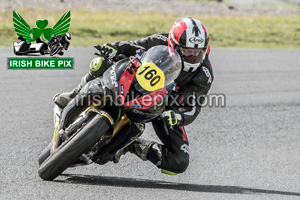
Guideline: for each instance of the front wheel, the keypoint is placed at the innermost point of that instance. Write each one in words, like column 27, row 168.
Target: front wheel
column 45, row 154
column 55, row 49
column 71, row 150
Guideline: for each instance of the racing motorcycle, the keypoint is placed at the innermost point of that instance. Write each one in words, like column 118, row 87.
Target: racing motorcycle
column 110, row 112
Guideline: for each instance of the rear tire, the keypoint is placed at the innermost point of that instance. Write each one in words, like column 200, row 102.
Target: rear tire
column 70, row 151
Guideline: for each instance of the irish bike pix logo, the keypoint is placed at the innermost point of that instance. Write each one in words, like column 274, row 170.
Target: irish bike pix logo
column 41, row 47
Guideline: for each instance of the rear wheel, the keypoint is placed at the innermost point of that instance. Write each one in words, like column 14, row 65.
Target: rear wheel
column 71, row 150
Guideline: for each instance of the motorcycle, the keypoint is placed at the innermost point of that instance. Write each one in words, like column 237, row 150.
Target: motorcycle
column 110, row 113
column 58, row 44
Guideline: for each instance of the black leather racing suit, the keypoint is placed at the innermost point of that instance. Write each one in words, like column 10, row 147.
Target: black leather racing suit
column 173, row 155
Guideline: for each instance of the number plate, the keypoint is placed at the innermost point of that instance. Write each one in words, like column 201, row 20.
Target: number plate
column 150, row 77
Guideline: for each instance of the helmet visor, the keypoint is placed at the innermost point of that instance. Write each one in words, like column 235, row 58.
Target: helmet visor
column 192, row 55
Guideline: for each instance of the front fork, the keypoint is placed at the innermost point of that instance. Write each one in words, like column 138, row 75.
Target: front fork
column 60, row 134
column 56, row 119
column 91, row 88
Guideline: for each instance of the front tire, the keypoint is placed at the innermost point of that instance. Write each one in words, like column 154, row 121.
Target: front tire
column 45, row 154
column 71, row 150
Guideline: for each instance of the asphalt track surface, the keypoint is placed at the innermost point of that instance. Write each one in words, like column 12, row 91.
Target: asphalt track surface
column 248, row 149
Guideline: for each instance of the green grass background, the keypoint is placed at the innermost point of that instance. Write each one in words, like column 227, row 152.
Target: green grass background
column 95, row 27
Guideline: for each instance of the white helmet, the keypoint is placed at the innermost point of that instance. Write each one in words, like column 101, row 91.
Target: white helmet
column 190, row 38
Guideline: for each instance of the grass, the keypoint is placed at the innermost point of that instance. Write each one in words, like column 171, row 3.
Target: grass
column 93, row 27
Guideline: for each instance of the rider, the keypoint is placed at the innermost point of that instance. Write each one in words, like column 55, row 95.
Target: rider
column 62, row 41
column 190, row 38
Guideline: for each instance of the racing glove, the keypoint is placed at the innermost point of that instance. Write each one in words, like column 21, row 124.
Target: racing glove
column 171, row 118
column 106, row 51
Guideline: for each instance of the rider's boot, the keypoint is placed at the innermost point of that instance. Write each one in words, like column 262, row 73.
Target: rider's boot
column 97, row 67
column 63, row 99
column 140, row 147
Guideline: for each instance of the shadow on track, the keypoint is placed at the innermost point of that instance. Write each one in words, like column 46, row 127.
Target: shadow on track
column 145, row 183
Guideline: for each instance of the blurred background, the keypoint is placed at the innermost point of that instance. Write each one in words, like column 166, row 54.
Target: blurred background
column 231, row 23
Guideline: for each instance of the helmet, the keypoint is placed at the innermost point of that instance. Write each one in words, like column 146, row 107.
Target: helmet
column 68, row 36
column 190, row 38
column 160, row 66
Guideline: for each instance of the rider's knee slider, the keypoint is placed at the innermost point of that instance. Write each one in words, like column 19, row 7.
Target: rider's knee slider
column 98, row 66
